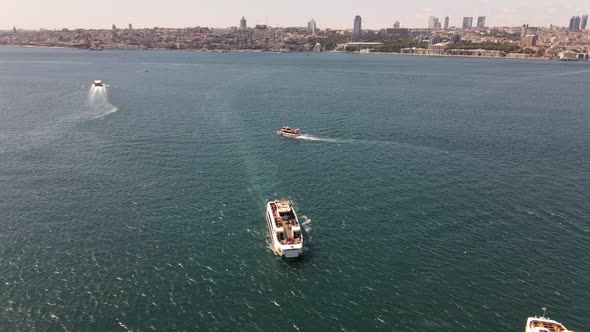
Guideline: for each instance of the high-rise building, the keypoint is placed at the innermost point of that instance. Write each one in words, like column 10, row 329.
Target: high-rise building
column 530, row 40
column 446, row 22
column 577, row 23
column 584, row 22
column 14, row 29
column 433, row 22
column 481, row 22
column 114, row 27
column 130, row 26
column 357, row 30
column 396, row 25
column 243, row 23
column 311, row 27
column 524, row 30
column 467, row 22
column 571, row 25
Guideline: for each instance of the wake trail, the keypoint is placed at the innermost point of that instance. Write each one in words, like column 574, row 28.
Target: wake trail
column 311, row 138
column 98, row 99
column 321, row 139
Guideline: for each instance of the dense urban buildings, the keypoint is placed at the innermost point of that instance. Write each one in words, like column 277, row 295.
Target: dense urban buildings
column 571, row 42
column 357, row 30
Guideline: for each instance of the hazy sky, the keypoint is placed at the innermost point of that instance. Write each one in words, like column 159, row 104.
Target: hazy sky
column 376, row 14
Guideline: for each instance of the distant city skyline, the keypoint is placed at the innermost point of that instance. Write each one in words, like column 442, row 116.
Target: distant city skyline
column 376, row 14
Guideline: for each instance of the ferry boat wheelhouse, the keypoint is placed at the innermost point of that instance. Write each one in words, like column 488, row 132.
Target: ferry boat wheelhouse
column 287, row 131
column 544, row 324
column 284, row 228
column 98, row 83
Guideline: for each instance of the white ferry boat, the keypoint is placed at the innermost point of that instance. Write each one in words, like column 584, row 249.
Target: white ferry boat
column 286, row 131
column 98, row 83
column 544, row 324
column 284, row 228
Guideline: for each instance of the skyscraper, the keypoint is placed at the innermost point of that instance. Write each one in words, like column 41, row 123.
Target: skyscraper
column 432, row 22
column 584, row 22
column 467, row 22
column 357, row 31
column 571, row 26
column 481, row 22
column 311, row 27
column 114, row 27
column 446, row 22
column 130, row 26
column 577, row 23
column 243, row 23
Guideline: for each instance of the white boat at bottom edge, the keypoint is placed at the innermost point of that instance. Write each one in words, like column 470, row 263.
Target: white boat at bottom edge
column 544, row 324
column 284, row 228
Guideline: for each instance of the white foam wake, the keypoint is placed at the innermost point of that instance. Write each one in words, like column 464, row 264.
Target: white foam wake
column 320, row 139
column 306, row 223
column 98, row 99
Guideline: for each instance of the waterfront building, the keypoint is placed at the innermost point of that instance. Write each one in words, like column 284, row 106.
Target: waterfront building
column 243, row 25
column 481, row 22
column 584, row 22
column 311, row 27
column 357, row 30
column 467, row 22
column 530, row 40
column 446, row 22
column 317, row 48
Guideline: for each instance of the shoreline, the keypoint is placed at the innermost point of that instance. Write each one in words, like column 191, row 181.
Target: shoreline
column 271, row 51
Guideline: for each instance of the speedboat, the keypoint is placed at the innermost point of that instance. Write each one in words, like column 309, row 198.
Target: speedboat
column 544, row 324
column 286, row 131
column 98, row 83
column 284, row 228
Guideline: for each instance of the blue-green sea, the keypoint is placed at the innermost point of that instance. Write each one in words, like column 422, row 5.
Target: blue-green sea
column 436, row 194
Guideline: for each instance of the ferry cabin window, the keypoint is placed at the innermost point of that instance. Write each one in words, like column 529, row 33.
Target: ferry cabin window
column 296, row 235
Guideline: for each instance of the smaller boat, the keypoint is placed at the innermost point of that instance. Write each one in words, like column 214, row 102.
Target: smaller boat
column 286, row 131
column 98, row 83
column 544, row 324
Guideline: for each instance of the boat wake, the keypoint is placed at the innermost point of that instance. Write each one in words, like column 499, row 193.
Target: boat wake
column 320, row 139
column 98, row 99
column 306, row 223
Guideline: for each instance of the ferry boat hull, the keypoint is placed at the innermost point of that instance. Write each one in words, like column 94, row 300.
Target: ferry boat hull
column 544, row 324
column 289, row 132
column 284, row 229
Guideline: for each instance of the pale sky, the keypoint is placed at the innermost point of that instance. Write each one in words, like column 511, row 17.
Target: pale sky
column 376, row 14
